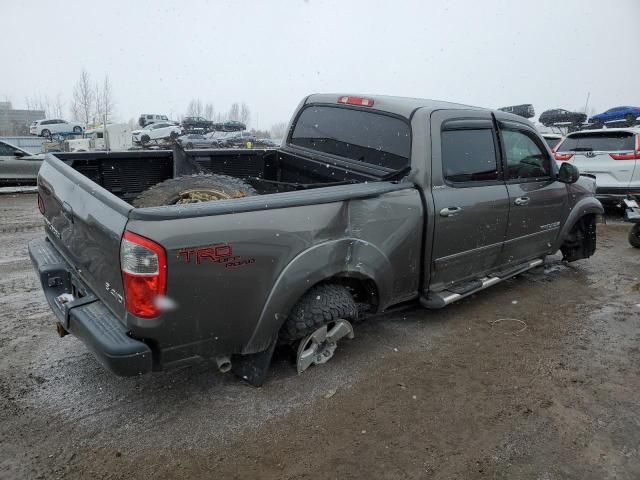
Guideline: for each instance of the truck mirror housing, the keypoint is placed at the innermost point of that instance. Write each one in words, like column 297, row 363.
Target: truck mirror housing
column 568, row 173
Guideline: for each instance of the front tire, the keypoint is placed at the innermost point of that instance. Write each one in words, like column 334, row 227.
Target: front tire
column 45, row 133
column 634, row 236
column 77, row 129
column 189, row 146
column 323, row 304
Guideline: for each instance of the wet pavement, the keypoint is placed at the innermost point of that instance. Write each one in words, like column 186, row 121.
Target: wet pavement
column 535, row 378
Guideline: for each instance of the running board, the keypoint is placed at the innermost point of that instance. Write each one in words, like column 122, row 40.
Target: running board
column 445, row 297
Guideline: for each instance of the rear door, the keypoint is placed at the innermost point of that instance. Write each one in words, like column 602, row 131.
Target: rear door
column 538, row 203
column 608, row 155
column 470, row 197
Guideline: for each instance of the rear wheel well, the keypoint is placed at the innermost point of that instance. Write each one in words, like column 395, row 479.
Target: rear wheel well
column 363, row 290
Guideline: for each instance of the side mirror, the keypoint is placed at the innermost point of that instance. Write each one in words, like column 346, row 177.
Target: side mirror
column 19, row 154
column 568, row 173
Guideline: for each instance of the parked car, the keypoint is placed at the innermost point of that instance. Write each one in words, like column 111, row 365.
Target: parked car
column 150, row 118
column 17, row 166
column 552, row 117
column 242, row 139
column 370, row 203
column 526, row 110
column 197, row 123
column 552, row 139
column 196, row 140
column 627, row 114
column 47, row 127
column 611, row 155
column 155, row 132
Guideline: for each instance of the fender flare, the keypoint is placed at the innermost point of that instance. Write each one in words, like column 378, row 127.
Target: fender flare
column 585, row 206
column 348, row 256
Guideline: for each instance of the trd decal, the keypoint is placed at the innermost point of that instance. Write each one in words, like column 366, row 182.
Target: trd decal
column 222, row 253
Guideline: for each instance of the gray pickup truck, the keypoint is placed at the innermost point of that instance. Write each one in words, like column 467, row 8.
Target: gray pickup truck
column 370, row 203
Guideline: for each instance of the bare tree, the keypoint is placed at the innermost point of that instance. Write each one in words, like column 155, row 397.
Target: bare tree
column 105, row 103
column 245, row 113
column 208, row 111
column 195, row 108
column 234, row 112
column 278, row 129
column 83, row 101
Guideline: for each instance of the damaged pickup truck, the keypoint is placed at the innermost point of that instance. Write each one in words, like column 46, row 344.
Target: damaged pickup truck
column 156, row 258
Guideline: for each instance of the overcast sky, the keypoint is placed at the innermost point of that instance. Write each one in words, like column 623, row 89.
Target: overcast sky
column 270, row 54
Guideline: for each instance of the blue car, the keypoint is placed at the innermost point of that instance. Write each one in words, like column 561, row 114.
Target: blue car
column 630, row 114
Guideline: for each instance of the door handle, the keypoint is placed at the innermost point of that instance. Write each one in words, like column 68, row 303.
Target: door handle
column 521, row 201
column 450, row 211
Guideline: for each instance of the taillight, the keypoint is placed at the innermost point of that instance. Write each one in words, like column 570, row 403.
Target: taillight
column 144, row 274
column 563, row 157
column 625, row 156
column 40, row 204
column 361, row 102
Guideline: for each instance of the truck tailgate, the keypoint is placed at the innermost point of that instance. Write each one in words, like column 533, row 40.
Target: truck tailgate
column 85, row 223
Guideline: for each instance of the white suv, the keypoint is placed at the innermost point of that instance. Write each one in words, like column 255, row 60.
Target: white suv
column 44, row 128
column 612, row 155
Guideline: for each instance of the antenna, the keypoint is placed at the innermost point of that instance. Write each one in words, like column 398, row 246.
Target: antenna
column 586, row 105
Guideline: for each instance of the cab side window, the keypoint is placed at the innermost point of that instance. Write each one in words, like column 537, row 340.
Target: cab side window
column 469, row 156
column 525, row 159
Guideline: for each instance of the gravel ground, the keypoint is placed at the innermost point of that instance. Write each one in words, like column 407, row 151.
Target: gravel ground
column 536, row 378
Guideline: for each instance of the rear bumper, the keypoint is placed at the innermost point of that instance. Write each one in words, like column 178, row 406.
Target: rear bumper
column 85, row 316
column 614, row 194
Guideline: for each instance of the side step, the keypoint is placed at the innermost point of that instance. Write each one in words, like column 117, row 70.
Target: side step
column 445, row 297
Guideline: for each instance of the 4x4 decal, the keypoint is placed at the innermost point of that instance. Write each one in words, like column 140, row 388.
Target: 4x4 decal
column 222, row 253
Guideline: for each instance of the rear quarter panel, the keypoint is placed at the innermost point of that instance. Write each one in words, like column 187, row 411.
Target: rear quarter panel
column 234, row 277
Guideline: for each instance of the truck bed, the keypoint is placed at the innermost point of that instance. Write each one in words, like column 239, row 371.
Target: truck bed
column 127, row 174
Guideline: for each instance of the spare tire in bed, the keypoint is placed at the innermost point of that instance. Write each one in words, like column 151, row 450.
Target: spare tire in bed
column 194, row 189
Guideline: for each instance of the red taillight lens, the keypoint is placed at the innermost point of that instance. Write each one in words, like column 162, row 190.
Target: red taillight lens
column 144, row 274
column 40, row 204
column 361, row 102
column 563, row 157
column 625, row 156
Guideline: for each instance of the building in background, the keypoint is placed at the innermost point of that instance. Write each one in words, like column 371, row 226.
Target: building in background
column 16, row 122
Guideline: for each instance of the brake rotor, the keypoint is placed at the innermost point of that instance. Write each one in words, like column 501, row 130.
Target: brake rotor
column 319, row 347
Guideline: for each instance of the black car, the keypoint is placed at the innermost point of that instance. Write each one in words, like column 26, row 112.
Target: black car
column 526, row 110
column 558, row 115
column 197, row 123
column 237, row 140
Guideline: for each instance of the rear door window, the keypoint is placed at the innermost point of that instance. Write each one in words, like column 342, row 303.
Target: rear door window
column 598, row 142
column 469, row 156
column 365, row 136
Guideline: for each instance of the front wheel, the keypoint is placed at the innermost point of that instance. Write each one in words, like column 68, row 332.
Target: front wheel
column 77, row 129
column 45, row 133
column 189, row 146
column 634, row 236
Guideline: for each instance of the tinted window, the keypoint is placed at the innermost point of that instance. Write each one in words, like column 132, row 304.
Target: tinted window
column 469, row 156
column 6, row 150
column 552, row 142
column 600, row 142
column 525, row 159
column 369, row 137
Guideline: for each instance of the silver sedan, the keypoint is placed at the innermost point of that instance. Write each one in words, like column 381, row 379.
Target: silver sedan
column 17, row 166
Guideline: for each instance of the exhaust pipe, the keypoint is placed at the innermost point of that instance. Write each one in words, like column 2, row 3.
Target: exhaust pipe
column 224, row 363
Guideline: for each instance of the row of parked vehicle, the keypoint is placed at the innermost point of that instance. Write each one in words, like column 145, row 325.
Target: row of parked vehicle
column 614, row 117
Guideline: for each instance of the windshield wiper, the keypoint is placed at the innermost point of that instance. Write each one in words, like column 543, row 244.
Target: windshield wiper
column 581, row 149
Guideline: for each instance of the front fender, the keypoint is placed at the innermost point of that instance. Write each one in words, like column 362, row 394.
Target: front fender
column 351, row 256
column 584, row 206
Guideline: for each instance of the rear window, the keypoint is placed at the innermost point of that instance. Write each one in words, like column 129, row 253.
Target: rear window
column 552, row 142
column 368, row 137
column 598, row 142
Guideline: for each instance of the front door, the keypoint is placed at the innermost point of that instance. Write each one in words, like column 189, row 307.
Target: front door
column 469, row 195
column 538, row 202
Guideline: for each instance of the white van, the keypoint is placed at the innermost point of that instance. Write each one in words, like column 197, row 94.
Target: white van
column 149, row 118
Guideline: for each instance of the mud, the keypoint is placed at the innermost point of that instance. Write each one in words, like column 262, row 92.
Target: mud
column 536, row 378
